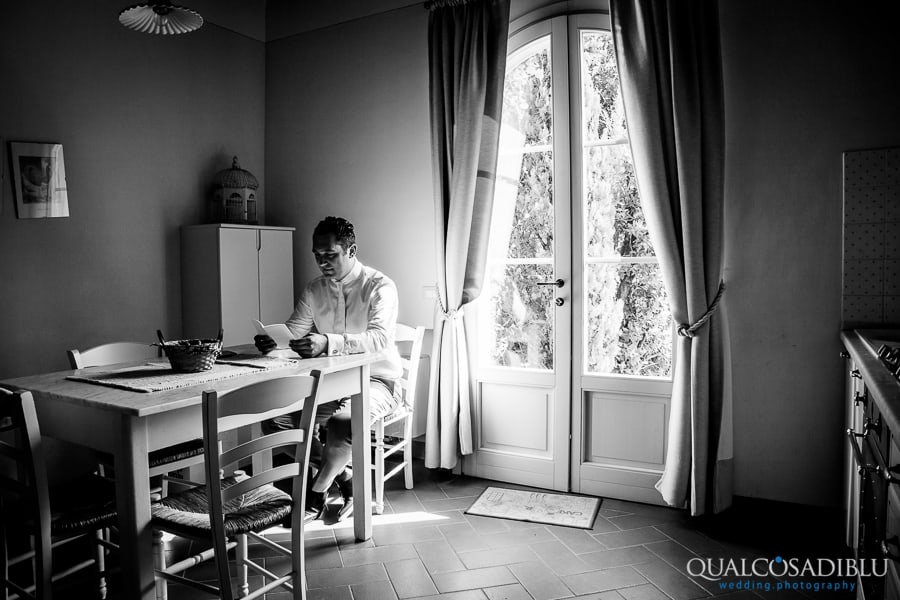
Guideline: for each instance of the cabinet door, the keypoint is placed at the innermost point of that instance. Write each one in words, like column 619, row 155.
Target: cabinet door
column 239, row 272
column 276, row 275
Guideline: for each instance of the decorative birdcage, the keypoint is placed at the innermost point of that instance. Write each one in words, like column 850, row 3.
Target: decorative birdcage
column 235, row 195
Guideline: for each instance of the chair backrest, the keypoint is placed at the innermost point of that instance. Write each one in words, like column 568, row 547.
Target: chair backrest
column 252, row 404
column 409, row 343
column 108, row 354
column 23, row 480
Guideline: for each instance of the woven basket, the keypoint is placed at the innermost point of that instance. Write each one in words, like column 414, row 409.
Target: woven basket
column 191, row 356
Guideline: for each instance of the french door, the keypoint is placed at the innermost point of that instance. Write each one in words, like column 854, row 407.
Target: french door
column 573, row 336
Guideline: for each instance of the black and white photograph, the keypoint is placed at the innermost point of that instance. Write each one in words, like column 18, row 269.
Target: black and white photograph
column 39, row 176
column 450, row 299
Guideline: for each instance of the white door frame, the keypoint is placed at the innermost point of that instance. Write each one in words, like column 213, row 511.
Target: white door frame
column 530, row 452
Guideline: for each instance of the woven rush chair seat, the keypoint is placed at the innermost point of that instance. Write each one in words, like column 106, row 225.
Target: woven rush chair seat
column 80, row 506
column 228, row 511
column 178, row 452
column 46, row 519
column 187, row 513
column 86, row 504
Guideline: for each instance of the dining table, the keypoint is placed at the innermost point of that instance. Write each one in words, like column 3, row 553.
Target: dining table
column 74, row 406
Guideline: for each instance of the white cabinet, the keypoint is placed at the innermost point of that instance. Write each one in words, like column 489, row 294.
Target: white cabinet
column 231, row 274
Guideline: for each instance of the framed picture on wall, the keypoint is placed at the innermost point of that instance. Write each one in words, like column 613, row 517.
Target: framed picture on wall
column 39, row 180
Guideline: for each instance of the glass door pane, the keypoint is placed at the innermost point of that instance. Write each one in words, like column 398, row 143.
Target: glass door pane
column 518, row 319
column 628, row 330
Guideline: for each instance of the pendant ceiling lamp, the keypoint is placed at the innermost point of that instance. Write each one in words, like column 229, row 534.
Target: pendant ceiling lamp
column 160, row 17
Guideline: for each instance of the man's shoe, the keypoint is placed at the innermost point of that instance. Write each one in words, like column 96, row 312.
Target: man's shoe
column 346, row 488
column 315, row 506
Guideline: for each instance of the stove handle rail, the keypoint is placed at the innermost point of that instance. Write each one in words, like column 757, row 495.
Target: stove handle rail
column 861, row 466
column 889, row 474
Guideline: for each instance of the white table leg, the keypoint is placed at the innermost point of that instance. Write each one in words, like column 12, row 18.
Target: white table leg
column 362, row 487
column 133, row 505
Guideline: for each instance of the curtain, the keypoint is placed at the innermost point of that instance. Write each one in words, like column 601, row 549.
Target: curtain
column 670, row 66
column 467, row 61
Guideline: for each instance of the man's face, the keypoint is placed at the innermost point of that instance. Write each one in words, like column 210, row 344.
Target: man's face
column 333, row 260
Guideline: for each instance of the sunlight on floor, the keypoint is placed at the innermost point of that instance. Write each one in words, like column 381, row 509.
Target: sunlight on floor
column 392, row 519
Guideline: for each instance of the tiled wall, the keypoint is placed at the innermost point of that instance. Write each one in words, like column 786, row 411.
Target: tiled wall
column 871, row 290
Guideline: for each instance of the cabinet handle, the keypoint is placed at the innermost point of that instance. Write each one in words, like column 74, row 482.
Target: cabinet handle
column 860, row 399
column 886, row 551
column 861, row 466
column 855, row 373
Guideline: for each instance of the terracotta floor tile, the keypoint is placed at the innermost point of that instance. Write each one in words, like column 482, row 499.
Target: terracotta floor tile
column 375, row 590
column 643, row 592
column 515, row 538
column 463, row 595
column 404, row 534
column 325, row 578
column 492, row 558
column 378, row 554
column 632, row 537
column 410, row 578
column 540, row 581
column 675, row 584
column 463, row 537
column 617, row 558
column 513, row 591
column 473, row 579
column 560, row 558
column 439, row 557
column 578, row 541
column 604, row 580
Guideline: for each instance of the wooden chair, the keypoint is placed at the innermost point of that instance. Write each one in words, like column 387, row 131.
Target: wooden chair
column 162, row 462
column 228, row 510
column 108, row 354
column 86, row 507
column 409, row 342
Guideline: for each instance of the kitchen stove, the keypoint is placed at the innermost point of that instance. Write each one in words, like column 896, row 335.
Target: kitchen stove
column 890, row 358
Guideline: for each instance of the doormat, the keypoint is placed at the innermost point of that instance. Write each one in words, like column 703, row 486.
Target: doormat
column 537, row 507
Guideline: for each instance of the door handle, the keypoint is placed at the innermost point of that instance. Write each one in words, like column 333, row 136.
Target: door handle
column 558, row 283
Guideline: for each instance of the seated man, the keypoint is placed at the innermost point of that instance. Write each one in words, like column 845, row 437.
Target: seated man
column 351, row 308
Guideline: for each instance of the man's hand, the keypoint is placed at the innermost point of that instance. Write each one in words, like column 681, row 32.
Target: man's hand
column 310, row 345
column 264, row 343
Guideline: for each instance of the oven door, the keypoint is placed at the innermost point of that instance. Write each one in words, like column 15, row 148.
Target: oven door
column 853, row 471
column 873, row 491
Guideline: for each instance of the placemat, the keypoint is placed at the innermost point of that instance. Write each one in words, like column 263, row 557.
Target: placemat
column 537, row 507
column 159, row 376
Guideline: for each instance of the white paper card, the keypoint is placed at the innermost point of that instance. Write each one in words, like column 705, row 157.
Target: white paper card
column 277, row 331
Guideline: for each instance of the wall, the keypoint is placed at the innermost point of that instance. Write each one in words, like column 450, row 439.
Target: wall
column 145, row 121
column 347, row 134
column 804, row 81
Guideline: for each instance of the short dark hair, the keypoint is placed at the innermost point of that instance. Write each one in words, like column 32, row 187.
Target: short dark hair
column 340, row 228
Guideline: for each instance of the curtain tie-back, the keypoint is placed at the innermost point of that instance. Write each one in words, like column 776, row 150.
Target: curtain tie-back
column 445, row 313
column 690, row 331
column 449, row 315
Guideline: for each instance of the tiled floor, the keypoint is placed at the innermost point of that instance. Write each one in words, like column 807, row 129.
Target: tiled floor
column 424, row 546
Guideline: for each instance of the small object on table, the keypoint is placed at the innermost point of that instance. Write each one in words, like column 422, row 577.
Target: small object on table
column 193, row 355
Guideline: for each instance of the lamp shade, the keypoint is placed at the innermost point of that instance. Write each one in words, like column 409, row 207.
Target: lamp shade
column 160, row 17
